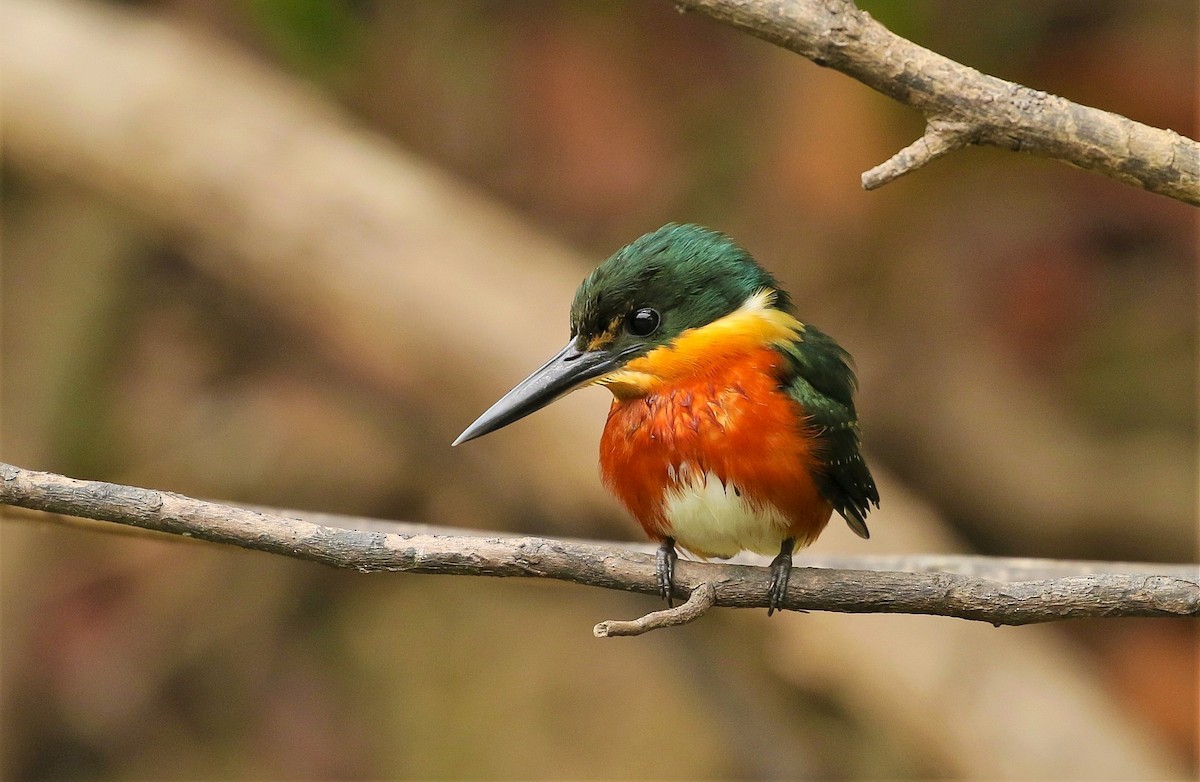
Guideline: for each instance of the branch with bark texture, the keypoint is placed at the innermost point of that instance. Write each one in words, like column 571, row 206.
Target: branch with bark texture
column 963, row 106
column 1147, row 590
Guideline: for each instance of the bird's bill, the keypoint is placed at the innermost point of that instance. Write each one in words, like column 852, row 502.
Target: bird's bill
column 569, row 370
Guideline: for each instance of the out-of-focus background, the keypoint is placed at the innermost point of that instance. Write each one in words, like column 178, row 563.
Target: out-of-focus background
column 283, row 251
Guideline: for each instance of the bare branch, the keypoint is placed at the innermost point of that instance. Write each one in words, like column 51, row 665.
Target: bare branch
column 1007, row 569
column 1147, row 592
column 835, row 33
column 703, row 597
column 940, row 138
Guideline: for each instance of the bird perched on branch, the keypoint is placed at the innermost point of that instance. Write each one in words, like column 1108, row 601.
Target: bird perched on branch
column 732, row 425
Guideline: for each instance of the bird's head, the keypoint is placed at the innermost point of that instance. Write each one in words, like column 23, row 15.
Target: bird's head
column 657, row 308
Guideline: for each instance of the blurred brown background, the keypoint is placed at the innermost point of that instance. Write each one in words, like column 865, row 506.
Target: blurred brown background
column 283, row 251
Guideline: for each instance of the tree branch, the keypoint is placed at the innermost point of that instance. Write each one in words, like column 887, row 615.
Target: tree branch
column 980, row 109
column 1006, row 569
column 1152, row 590
column 703, row 597
column 940, row 138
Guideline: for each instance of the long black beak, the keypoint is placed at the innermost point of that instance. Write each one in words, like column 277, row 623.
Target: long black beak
column 559, row 376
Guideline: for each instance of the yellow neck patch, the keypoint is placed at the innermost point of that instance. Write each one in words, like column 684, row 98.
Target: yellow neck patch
column 753, row 325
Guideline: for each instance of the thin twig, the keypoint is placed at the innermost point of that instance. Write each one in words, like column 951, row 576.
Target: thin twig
column 837, row 34
column 1148, row 592
column 940, row 139
column 703, row 597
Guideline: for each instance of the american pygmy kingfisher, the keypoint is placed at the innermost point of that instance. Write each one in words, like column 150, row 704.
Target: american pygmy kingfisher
column 732, row 425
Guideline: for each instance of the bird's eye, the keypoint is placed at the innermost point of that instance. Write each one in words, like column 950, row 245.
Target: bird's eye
column 643, row 322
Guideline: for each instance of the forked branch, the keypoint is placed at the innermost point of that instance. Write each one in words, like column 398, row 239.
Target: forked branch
column 1145, row 590
column 961, row 105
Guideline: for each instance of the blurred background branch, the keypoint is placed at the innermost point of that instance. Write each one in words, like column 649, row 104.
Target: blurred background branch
column 961, row 105
column 1146, row 592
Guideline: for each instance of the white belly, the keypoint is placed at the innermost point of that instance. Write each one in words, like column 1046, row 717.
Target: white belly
column 712, row 519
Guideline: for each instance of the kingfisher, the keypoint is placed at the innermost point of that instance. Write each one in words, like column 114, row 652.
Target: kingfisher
column 732, row 425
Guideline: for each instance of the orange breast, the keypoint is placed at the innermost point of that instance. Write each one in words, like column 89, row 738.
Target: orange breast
column 729, row 420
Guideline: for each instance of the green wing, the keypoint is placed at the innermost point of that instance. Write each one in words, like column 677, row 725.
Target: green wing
column 822, row 381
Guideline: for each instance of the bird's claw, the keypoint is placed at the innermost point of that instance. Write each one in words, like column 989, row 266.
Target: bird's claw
column 781, row 571
column 664, row 568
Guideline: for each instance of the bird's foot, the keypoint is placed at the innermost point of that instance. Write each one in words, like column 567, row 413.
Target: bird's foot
column 781, row 571
column 664, row 568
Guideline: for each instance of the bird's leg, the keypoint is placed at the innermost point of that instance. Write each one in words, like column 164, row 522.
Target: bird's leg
column 781, row 570
column 664, row 567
